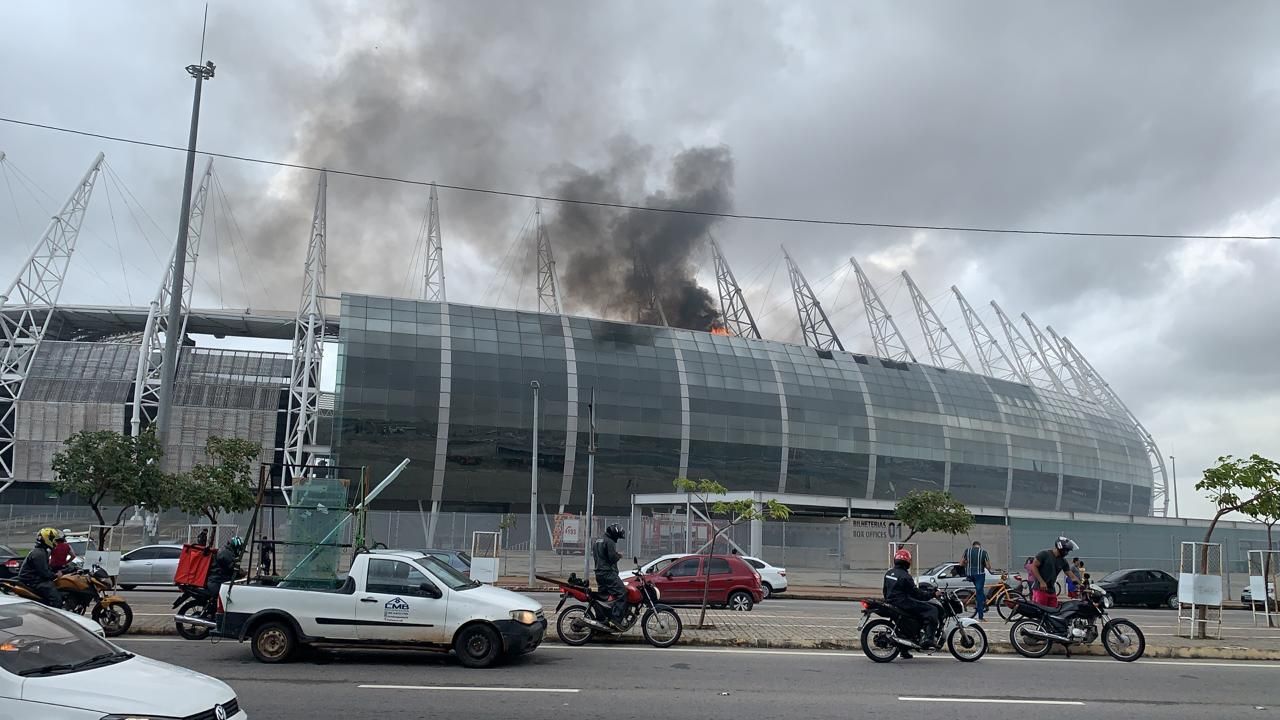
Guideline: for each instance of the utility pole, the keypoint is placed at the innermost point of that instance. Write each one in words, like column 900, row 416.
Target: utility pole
column 591, row 485
column 533, row 491
column 1173, row 484
column 173, row 334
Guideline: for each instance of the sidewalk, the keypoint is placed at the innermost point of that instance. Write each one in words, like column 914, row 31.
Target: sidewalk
column 761, row 629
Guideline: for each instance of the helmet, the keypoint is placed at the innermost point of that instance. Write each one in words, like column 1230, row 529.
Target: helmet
column 615, row 532
column 902, row 555
column 236, row 543
column 48, row 537
column 1065, row 545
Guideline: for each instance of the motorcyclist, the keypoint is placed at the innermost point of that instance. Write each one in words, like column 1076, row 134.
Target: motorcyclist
column 223, row 568
column 1045, row 568
column 901, row 592
column 36, row 572
column 605, row 555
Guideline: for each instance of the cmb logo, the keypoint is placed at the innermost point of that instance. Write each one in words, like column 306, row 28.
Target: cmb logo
column 396, row 604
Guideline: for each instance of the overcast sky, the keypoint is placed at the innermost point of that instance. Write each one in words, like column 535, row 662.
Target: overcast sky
column 1142, row 117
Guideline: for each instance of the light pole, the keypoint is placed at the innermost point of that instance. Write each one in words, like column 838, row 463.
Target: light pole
column 533, row 490
column 173, row 329
column 1174, row 462
column 591, row 483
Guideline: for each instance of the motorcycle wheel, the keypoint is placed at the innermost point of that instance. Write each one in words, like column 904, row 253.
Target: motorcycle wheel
column 571, row 628
column 881, row 648
column 1121, row 634
column 1025, row 645
column 661, row 627
column 967, row 644
column 115, row 619
column 194, row 608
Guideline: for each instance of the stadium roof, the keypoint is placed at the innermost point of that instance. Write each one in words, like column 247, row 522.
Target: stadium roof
column 98, row 322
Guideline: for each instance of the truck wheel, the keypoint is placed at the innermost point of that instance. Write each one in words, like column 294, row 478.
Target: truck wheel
column 477, row 646
column 273, row 642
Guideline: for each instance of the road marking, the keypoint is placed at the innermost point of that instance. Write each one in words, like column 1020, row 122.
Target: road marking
column 465, row 688
column 994, row 701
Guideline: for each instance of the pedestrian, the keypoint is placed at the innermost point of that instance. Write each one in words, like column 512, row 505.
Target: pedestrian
column 975, row 563
column 1029, row 576
column 203, row 537
column 266, row 557
column 1046, row 567
column 62, row 555
column 1074, row 585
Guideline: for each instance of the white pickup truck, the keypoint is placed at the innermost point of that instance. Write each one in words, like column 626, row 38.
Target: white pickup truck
column 390, row 599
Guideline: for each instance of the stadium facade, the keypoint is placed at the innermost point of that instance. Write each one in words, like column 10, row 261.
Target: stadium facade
column 450, row 386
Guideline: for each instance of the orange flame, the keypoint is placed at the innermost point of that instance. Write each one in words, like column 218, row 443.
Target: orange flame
column 719, row 330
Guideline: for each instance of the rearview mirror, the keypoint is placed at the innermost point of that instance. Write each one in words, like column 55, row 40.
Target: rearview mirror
column 430, row 590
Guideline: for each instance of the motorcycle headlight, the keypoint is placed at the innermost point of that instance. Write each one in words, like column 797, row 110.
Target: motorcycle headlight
column 1107, row 601
column 524, row 617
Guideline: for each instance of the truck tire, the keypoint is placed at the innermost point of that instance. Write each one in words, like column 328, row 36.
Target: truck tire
column 477, row 646
column 273, row 642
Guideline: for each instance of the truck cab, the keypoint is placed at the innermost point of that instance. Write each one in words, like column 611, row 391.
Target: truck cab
column 393, row 599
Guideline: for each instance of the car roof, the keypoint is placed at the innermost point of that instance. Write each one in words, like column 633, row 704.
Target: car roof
column 406, row 554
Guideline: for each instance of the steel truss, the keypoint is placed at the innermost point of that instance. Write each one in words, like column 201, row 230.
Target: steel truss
column 548, row 279
column 734, row 312
column 36, row 290
column 814, row 324
column 1055, row 361
column 433, row 270
column 991, row 356
column 1030, row 364
column 304, row 383
column 888, row 339
column 150, row 373
column 942, row 347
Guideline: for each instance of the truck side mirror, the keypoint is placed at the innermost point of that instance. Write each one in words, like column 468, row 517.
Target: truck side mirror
column 430, row 590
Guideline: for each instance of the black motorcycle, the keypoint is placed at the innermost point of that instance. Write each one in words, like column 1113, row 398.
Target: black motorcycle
column 885, row 637
column 1075, row 622
column 195, row 609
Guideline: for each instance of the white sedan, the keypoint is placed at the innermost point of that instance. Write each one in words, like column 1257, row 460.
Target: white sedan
column 54, row 668
column 773, row 580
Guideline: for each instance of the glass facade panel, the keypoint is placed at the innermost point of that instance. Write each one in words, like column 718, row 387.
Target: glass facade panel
column 411, row 373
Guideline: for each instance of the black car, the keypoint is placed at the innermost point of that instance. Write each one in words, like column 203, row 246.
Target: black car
column 10, row 562
column 1143, row 586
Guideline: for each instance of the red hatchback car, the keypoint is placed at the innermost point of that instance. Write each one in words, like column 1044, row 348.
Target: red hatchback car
column 734, row 583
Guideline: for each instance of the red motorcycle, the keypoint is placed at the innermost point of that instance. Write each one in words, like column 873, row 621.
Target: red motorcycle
column 659, row 623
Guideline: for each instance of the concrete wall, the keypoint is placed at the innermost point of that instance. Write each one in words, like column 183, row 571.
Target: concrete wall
column 865, row 544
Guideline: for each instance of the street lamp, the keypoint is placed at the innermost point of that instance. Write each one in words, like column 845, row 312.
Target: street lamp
column 1174, row 483
column 533, row 490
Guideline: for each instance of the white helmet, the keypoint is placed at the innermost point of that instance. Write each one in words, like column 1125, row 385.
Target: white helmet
column 1065, row 545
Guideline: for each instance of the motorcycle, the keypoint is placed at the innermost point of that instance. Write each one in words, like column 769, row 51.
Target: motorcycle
column 1075, row 622
column 84, row 591
column 895, row 630
column 195, row 612
column 87, row 591
column 660, row 624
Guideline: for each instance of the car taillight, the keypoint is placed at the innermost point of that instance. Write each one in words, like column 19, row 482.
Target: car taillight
column 866, row 605
column 783, row 573
column 12, row 563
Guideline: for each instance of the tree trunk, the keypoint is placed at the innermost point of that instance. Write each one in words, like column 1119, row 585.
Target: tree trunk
column 102, row 531
column 1266, row 574
column 1200, row 623
column 706, row 575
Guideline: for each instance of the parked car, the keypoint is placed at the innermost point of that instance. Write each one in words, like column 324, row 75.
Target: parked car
column 734, row 583
column 950, row 576
column 403, row 598
column 1141, row 586
column 89, row 624
column 773, row 580
column 1246, row 597
column 10, row 562
column 148, row 565
column 55, row 668
column 456, row 559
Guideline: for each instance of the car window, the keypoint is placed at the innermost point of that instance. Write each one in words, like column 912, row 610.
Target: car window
column 445, row 573
column 34, row 638
column 756, row 564
column 396, row 577
column 143, row 553
column 936, row 569
column 7, row 551
column 684, row 568
column 1164, row 576
column 660, row 565
column 168, row 553
column 719, row 566
column 1115, row 576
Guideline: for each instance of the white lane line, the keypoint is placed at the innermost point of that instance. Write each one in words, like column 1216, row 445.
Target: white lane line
column 993, row 701
column 465, row 688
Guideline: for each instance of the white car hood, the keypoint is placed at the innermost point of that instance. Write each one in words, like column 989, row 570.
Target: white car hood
column 497, row 599
column 139, row 685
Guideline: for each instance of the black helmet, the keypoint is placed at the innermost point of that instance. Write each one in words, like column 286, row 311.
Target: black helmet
column 615, row 532
column 1065, row 545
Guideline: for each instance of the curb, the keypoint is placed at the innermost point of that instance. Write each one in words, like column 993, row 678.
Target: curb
column 996, row 647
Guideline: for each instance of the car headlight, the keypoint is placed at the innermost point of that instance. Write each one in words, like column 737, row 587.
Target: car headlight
column 524, row 617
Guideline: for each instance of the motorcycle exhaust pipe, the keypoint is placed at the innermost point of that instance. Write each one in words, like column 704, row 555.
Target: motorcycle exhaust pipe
column 1047, row 636
column 199, row 622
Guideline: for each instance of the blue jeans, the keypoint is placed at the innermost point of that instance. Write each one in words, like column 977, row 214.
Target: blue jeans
column 980, row 594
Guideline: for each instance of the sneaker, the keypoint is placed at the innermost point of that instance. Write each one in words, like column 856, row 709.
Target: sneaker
column 905, row 655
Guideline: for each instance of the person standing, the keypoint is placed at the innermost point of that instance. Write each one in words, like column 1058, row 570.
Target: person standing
column 1046, row 567
column 266, row 557
column 975, row 562
column 1029, row 576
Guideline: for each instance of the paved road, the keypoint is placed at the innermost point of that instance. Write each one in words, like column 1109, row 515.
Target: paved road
column 836, row 615
column 709, row 683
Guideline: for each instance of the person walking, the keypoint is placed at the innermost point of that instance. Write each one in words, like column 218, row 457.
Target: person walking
column 975, row 563
column 1029, row 576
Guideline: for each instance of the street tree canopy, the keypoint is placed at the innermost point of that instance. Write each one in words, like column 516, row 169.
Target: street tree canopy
column 226, row 484
column 1246, row 485
column 933, row 511
column 105, row 468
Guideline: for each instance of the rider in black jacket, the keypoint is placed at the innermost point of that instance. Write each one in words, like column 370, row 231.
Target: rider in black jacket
column 901, row 592
column 604, row 552
column 224, row 565
column 36, row 572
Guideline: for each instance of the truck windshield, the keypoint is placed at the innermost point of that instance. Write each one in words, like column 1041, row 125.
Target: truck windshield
column 446, row 574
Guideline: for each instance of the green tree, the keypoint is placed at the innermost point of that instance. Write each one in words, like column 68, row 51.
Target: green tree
column 226, row 484
column 734, row 512
column 1248, row 486
column 104, row 467
column 933, row 511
